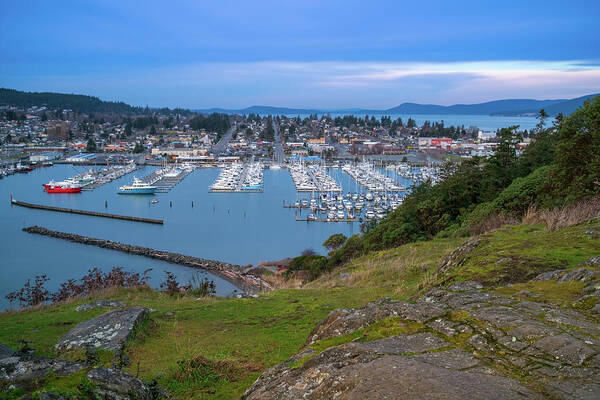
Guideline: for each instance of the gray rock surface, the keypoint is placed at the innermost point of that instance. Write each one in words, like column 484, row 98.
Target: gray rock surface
column 108, row 331
column 100, row 304
column 5, row 351
column 19, row 369
column 114, row 384
column 472, row 346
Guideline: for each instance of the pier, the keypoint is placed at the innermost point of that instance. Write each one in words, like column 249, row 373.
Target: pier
column 330, row 220
column 107, row 175
column 236, row 274
column 166, row 179
column 312, row 179
column 371, row 179
column 85, row 212
column 239, row 178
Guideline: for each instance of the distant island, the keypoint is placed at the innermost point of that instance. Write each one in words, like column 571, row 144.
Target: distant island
column 508, row 107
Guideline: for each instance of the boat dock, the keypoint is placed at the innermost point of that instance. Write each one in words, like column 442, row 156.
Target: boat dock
column 312, row 179
column 239, row 178
column 371, row 179
column 106, row 175
column 85, row 212
column 165, row 179
column 329, row 220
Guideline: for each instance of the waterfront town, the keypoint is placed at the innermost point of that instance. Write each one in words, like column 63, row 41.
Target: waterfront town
column 380, row 158
column 37, row 135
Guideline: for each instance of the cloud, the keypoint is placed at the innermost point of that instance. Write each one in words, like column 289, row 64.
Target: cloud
column 330, row 84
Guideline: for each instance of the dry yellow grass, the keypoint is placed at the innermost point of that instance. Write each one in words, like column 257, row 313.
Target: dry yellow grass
column 278, row 281
column 563, row 217
column 492, row 223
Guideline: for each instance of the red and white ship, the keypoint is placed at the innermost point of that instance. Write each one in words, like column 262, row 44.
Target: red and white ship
column 62, row 187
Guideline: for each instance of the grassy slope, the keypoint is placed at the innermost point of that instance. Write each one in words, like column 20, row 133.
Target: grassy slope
column 250, row 335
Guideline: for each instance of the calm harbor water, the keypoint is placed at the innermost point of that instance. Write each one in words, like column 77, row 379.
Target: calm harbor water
column 240, row 228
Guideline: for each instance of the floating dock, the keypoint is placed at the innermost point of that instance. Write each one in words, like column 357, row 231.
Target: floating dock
column 312, row 179
column 239, row 178
column 104, row 176
column 166, row 179
column 371, row 179
column 330, row 220
column 84, row 212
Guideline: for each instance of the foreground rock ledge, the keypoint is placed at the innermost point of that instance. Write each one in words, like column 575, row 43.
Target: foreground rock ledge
column 473, row 345
column 108, row 331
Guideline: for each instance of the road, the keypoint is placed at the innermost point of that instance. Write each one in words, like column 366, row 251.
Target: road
column 342, row 152
column 220, row 146
column 278, row 149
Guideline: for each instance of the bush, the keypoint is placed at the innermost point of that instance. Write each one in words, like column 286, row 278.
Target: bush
column 201, row 287
column 31, row 294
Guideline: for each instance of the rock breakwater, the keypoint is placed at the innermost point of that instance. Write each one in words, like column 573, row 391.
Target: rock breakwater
column 237, row 274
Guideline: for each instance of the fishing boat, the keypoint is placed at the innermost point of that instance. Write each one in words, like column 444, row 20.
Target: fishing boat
column 138, row 187
column 62, row 187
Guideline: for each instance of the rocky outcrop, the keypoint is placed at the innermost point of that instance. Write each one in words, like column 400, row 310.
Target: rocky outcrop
column 114, row 384
column 100, row 304
column 459, row 255
column 108, row 331
column 18, row 369
column 236, row 274
column 472, row 345
column 27, row 370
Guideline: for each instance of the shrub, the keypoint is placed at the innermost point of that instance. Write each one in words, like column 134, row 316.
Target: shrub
column 31, row 294
column 170, row 284
column 201, row 287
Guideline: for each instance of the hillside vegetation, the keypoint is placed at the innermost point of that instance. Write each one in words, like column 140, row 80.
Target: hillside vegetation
column 560, row 166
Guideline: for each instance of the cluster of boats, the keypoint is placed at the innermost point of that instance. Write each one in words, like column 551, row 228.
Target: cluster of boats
column 352, row 206
column 312, row 178
column 238, row 177
column 253, row 179
column 22, row 168
column 88, row 179
column 371, row 179
column 419, row 174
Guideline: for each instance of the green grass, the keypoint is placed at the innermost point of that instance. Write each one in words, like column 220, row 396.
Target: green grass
column 216, row 348
column 517, row 253
column 400, row 270
column 250, row 335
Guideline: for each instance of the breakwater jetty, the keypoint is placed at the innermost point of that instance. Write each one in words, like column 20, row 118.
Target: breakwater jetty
column 236, row 274
column 85, row 212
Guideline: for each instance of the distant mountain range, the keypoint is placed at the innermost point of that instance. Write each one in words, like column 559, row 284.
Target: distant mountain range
column 509, row 107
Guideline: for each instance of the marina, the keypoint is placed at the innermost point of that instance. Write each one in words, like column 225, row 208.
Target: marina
column 166, row 178
column 371, row 179
column 312, row 178
column 240, row 178
column 243, row 225
column 90, row 180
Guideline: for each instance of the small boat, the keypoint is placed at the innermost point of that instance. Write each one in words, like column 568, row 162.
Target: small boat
column 154, row 201
column 138, row 187
column 311, row 217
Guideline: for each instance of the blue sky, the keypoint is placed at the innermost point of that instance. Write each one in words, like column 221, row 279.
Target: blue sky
column 332, row 54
